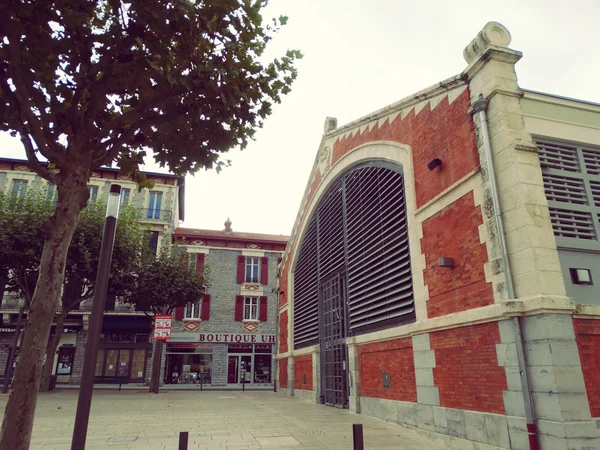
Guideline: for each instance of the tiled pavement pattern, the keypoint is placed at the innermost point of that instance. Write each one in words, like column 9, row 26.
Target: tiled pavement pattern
column 215, row 420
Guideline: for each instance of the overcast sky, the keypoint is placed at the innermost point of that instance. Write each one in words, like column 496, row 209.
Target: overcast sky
column 361, row 56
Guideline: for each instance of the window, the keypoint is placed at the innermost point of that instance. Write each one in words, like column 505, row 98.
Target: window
column 93, row 193
column 193, row 259
column 125, row 197
column 250, row 308
column 154, row 205
column 51, row 193
column 19, row 189
column 192, row 311
column 66, row 355
column 252, row 265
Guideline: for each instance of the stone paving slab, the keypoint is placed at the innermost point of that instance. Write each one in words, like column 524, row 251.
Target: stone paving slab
column 238, row 420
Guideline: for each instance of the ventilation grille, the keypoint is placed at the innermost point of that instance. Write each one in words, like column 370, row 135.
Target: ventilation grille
column 379, row 275
column 592, row 161
column 331, row 231
column 306, row 300
column 564, row 189
column 572, row 224
column 559, row 157
column 595, row 188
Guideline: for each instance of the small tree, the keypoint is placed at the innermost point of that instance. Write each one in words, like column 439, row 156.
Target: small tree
column 82, row 265
column 163, row 284
column 91, row 83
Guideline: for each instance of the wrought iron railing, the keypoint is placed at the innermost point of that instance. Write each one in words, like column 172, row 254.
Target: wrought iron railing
column 158, row 215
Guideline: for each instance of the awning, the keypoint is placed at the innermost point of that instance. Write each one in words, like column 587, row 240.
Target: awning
column 131, row 324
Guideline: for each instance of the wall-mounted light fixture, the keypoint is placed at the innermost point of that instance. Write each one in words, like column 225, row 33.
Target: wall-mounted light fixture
column 445, row 262
column 581, row 276
column 437, row 162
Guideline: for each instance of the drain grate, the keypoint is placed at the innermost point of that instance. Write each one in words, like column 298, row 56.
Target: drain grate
column 277, row 441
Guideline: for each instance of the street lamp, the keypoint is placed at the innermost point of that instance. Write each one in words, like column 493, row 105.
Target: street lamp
column 86, row 389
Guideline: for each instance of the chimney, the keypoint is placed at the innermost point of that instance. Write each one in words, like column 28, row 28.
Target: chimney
column 227, row 229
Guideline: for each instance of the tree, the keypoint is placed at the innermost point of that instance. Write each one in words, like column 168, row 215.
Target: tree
column 82, row 264
column 163, row 284
column 90, row 83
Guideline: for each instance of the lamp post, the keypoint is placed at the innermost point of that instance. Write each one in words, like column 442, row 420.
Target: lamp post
column 84, row 402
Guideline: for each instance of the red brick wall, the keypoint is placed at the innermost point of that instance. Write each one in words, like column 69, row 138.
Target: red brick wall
column 587, row 334
column 395, row 357
column 447, row 133
column 463, row 286
column 467, row 372
column 283, row 329
column 283, row 282
column 283, row 373
column 303, row 366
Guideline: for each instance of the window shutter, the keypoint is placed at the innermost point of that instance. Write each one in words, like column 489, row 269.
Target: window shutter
column 241, row 268
column 179, row 313
column 239, row 308
column 264, row 270
column 205, row 314
column 263, row 309
column 200, row 263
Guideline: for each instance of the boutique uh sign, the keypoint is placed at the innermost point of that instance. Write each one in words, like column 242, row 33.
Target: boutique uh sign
column 238, row 338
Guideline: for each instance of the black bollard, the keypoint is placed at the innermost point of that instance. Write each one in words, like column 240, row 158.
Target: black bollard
column 183, row 440
column 357, row 436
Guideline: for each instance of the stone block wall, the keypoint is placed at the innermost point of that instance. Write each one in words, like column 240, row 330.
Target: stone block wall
column 587, row 334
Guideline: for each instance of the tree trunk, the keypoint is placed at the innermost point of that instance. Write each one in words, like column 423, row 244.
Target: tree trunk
column 20, row 409
column 155, row 380
column 51, row 352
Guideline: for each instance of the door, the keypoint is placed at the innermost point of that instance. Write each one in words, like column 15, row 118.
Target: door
column 334, row 373
column 233, row 369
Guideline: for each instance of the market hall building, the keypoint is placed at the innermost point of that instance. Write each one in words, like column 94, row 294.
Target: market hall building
column 227, row 337
column 443, row 269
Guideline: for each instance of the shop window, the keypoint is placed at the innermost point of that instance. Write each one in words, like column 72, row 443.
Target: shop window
column 188, row 369
column 250, row 308
column 66, row 355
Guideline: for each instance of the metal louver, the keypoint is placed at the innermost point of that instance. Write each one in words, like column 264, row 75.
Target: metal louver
column 561, row 157
column 306, row 295
column 571, row 177
column 359, row 229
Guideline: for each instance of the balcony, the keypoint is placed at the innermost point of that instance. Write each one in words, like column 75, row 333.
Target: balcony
column 155, row 215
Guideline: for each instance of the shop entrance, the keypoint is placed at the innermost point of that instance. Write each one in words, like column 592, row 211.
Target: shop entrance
column 234, row 368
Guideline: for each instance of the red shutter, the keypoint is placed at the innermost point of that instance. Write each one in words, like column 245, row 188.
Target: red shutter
column 264, row 270
column 179, row 313
column 200, row 262
column 263, row 309
column 205, row 314
column 241, row 268
column 239, row 308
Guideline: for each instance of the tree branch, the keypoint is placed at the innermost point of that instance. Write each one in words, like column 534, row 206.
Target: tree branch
column 36, row 165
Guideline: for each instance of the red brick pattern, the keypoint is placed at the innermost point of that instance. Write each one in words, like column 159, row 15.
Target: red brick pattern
column 463, row 286
column 447, row 133
column 467, row 372
column 587, row 334
column 283, row 330
column 395, row 357
column 303, row 366
column 283, row 373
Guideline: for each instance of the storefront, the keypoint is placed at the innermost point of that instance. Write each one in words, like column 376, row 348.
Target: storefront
column 219, row 358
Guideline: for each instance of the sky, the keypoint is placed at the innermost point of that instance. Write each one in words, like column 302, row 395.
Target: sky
column 360, row 56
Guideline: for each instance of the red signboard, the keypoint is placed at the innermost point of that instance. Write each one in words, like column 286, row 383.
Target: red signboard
column 162, row 327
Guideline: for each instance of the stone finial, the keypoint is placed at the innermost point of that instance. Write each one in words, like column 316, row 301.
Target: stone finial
column 228, row 229
column 330, row 124
column 492, row 34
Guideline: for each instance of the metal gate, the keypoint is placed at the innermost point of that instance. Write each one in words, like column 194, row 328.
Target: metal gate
column 334, row 373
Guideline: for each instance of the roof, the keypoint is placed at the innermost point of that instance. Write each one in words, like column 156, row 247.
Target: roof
column 180, row 179
column 234, row 235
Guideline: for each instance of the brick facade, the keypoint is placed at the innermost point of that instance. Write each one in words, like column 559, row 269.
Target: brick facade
column 303, row 371
column 446, row 132
column 394, row 357
column 467, row 372
column 283, row 330
column 283, row 373
column 587, row 334
column 463, row 286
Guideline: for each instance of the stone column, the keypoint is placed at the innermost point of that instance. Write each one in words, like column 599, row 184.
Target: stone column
column 80, row 343
column 354, row 378
column 291, row 375
column 219, row 365
column 316, row 373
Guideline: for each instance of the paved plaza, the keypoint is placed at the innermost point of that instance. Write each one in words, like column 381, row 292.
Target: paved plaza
column 135, row 419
